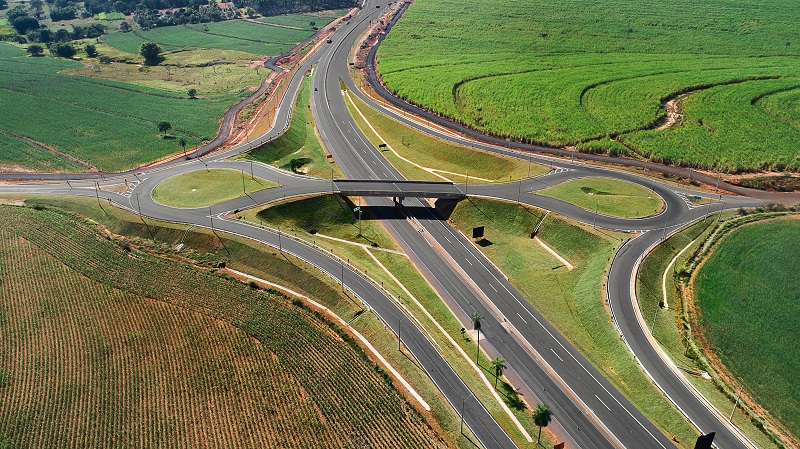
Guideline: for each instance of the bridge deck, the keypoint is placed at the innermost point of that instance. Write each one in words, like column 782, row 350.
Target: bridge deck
column 399, row 189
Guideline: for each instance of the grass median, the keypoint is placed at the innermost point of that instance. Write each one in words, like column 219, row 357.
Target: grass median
column 573, row 300
column 202, row 188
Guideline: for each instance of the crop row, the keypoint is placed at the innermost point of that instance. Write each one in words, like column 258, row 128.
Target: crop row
column 120, row 348
column 574, row 72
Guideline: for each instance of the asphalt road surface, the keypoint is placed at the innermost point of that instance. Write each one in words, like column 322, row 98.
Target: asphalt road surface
column 588, row 411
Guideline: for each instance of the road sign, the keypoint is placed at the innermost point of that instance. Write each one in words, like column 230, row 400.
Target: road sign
column 477, row 232
column 357, row 209
column 704, row 441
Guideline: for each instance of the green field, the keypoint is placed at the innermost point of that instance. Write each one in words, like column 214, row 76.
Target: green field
column 106, row 124
column 239, row 35
column 135, row 349
column 607, row 196
column 435, row 159
column 303, row 21
column 576, row 72
column 298, row 148
column 571, row 300
column 747, row 301
column 207, row 187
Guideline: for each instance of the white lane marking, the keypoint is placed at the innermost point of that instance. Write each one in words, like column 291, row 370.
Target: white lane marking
column 495, row 290
column 559, row 357
column 601, row 401
column 523, row 319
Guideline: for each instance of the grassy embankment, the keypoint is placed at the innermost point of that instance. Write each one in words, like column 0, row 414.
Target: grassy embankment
column 201, row 188
column 577, row 73
column 151, row 351
column 314, row 218
column 573, row 301
column 298, row 149
column 671, row 326
column 607, row 196
column 428, row 158
column 104, row 116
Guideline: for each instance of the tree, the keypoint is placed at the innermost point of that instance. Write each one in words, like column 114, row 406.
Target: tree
column 150, row 51
column 91, row 50
column 192, row 93
column 498, row 365
column 35, row 49
column 3, row 4
column 476, row 325
column 164, row 126
column 542, row 417
column 62, row 50
column 124, row 26
column 182, row 143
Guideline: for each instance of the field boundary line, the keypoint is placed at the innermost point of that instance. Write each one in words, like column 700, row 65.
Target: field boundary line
column 344, row 323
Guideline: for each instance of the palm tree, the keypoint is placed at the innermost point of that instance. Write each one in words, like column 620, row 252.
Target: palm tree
column 541, row 417
column 498, row 365
column 182, row 143
column 476, row 325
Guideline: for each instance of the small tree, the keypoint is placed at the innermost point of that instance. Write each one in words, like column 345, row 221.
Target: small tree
column 150, row 51
column 35, row 49
column 192, row 93
column 498, row 365
column 476, row 325
column 542, row 417
column 182, row 143
column 164, row 126
column 91, row 50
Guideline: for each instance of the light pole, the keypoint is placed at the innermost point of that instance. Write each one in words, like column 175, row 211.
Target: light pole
column 243, row 187
column 596, row 207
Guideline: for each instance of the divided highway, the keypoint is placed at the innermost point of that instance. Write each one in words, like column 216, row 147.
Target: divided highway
column 589, row 411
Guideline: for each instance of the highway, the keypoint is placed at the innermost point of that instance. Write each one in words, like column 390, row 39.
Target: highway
column 588, row 411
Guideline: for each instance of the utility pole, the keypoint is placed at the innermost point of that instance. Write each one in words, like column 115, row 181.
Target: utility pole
column 463, row 402
column 398, row 334
column 342, row 278
column 466, row 184
column 596, row 207
column 280, row 245
column 529, row 164
column 519, row 192
column 97, row 192
column 211, row 216
column 735, row 404
column 243, row 187
column 664, row 236
column 251, row 171
column 138, row 207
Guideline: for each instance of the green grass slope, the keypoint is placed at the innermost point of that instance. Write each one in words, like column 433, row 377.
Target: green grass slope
column 107, row 124
column 607, row 196
column 570, row 72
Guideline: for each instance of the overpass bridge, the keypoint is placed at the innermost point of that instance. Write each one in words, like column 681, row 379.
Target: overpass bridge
column 397, row 190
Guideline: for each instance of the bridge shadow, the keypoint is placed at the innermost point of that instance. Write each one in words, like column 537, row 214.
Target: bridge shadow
column 442, row 210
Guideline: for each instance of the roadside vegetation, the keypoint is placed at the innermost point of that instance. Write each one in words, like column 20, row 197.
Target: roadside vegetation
column 419, row 156
column 572, row 300
column 233, row 363
column 329, row 223
column 201, row 188
column 577, row 74
column 607, row 196
column 298, row 149
column 697, row 345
